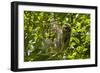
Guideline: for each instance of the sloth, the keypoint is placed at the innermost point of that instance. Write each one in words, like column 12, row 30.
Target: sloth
column 61, row 38
column 66, row 35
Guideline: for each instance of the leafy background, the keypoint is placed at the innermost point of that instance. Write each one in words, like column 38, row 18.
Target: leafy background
column 40, row 36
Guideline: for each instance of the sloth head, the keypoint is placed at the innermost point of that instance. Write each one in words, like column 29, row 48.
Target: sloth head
column 66, row 28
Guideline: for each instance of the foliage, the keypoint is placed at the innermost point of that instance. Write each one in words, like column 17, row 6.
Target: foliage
column 56, row 36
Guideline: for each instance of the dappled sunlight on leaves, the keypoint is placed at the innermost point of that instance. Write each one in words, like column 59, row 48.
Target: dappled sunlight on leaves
column 56, row 36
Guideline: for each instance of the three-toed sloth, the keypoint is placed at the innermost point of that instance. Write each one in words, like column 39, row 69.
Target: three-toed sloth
column 62, row 37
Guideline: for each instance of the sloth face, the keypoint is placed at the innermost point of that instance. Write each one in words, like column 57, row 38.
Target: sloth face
column 66, row 28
